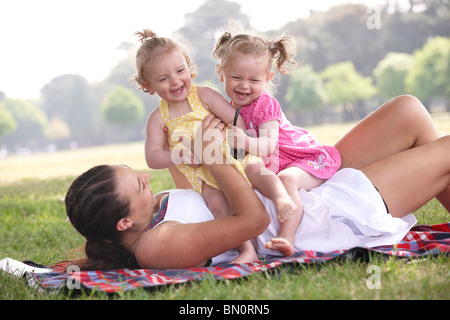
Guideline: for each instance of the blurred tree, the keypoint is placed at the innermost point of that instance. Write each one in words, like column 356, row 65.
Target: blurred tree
column 346, row 87
column 349, row 38
column 391, row 72
column 201, row 30
column 72, row 99
column 31, row 122
column 122, row 74
column 125, row 68
column 430, row 7
column 306, row 91
column 122, row 108
column 7, row 122
column 429, row 76
column 339, row 34
column 57, row 130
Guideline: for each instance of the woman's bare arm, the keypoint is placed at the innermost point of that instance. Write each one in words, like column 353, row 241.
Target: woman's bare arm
column 174, row 245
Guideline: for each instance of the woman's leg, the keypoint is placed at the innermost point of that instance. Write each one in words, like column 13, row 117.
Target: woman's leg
column 409, row 179
column 400, row 124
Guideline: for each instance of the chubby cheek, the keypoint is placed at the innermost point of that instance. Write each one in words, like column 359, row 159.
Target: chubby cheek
column 229, row 89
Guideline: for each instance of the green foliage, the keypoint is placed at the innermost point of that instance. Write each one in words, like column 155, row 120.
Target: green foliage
column 31, row 122
column 121, row 107
column 7, row 122
column 391, row 72
column 306, row 89
column 345, row 85
column 72, row 99
column 430, row 74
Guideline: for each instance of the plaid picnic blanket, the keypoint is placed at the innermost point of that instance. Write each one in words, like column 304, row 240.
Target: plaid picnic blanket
column 421, row 241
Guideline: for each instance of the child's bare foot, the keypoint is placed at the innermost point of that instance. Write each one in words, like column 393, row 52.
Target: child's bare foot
column 282, row 245
column 285, row 208
column 246, row 256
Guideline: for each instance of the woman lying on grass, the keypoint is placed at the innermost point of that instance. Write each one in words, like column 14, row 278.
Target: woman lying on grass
column 393, row 162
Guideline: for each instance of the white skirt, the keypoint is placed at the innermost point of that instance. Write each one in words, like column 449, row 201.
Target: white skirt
column 344, row 212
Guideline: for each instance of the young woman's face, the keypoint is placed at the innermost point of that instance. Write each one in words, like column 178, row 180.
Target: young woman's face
column 135, row 187
column 168, row 75
column 245, row 77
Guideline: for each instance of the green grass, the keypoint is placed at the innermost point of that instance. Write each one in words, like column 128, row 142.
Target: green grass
column 33, row 226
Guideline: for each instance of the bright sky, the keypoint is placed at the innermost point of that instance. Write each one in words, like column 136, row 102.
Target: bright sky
column 43, row 39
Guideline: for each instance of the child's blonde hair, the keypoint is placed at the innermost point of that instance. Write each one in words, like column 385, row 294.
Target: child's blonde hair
column 152, row 46
column 281, row 49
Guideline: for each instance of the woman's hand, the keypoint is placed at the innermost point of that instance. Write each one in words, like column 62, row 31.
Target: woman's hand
column 206, row 146
column 236, row 137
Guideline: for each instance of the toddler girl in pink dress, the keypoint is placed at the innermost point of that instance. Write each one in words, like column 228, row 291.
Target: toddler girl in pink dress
column 294, row 154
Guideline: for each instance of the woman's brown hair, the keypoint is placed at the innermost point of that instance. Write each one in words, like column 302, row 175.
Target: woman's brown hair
column 94, row 208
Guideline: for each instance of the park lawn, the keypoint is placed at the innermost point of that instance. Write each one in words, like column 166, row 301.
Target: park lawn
column 33, row 226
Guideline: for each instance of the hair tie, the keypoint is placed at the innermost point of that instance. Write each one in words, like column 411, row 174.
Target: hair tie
column 272, row 47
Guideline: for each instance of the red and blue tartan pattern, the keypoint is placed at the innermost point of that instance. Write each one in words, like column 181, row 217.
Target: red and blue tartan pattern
column 421, row 241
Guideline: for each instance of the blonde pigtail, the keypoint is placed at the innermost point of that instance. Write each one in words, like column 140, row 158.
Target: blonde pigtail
column 283, row 50
column 221, row 46
column 145, row 35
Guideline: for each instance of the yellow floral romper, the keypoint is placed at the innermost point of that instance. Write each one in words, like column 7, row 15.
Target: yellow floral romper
column 186, row 125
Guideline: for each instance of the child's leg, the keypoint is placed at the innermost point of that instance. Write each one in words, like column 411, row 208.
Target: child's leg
column 293, row 179
column 216, row 201
column 218, row 205
column 246, row 252
column 270, row 186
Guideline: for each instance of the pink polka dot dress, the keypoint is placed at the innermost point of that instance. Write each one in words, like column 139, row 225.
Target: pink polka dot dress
column 296, row 146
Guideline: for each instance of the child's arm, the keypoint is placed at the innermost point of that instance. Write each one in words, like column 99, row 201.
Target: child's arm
column 263, row 145
column 219, row 106
column 157, row 154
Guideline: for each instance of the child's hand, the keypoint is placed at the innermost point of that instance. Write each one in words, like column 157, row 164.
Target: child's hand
column 189, row 159
column 207, row 142
column 186, row 156
column 236, row 137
